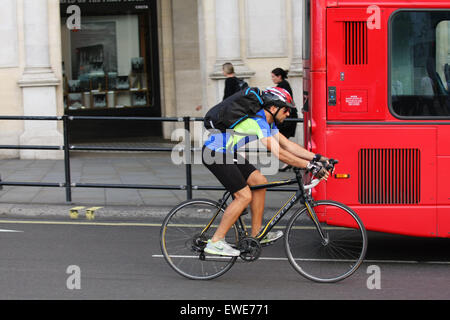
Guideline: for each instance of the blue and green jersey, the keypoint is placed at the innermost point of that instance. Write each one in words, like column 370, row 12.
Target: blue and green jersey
column 251, row 129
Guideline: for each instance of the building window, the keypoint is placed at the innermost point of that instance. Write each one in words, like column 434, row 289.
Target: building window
column 420, row 64
column 107, row 57
column 110, row 67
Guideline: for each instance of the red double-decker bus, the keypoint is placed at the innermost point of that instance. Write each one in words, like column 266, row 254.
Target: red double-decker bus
column 377, row 97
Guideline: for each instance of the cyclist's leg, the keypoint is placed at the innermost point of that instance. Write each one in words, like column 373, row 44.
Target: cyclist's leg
column 242, row 199
column 231, row 177
column 253, row 177
column 258, row 200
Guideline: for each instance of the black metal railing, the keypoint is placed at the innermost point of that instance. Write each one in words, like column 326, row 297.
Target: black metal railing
column 67, row 148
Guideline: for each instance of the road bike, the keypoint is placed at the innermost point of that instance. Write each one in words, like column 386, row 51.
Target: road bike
column 324, row 240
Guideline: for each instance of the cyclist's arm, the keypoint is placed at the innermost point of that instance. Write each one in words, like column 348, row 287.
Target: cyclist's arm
column 271, row 143
column 293, row 147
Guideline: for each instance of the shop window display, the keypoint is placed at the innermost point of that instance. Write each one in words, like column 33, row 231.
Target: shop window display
column 105, row 64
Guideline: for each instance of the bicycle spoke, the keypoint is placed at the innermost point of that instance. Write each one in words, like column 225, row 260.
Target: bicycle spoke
column 334, row 260
column 182, row 241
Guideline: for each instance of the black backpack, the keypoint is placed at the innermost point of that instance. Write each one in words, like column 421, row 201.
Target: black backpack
column 234, row 109
column 242, row 84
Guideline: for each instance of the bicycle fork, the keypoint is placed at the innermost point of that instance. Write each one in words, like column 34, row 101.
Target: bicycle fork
column 315, row 219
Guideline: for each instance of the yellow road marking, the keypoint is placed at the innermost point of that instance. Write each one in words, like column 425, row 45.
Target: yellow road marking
column 134, row 224
column 114, row 224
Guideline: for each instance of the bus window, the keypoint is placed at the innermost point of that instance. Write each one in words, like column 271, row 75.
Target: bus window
column 443, row 52
column 420, row 64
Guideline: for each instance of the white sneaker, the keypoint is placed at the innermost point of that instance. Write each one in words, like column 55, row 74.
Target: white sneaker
column 271, row 237
column 221, row 248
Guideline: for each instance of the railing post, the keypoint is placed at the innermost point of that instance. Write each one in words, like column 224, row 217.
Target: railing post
column 188, row 156
column 67, row 159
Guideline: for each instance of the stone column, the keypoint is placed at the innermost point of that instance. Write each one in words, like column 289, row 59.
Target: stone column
column 8, row 33
column 38, row 83
column 228, row 43
column 9, row 68
column 296, row 68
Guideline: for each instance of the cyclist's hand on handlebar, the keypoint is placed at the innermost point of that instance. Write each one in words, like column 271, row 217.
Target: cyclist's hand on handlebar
column 327, row 163
column 318, row 170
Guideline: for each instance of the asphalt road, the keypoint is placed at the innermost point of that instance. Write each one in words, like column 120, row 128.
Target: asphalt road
column 66, row 259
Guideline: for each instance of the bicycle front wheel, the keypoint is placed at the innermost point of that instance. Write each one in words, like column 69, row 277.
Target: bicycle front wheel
column 330, row 257
column 184, row 234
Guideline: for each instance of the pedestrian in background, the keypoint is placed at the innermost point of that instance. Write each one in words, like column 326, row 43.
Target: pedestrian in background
column 279, row 77
column 232, row 84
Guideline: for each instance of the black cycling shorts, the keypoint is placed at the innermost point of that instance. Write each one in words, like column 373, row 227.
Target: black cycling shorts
column 232, row 170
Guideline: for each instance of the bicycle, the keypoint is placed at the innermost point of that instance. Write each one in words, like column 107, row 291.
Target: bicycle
column 325, row 241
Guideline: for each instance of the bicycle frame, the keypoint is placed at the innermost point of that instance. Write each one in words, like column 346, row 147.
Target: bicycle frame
column 300, row 195
column 329, row 255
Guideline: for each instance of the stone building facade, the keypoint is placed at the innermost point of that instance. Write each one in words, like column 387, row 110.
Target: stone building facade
column 69, row 56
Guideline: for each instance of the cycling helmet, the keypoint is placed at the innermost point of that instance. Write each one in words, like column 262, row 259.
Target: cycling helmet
column 279, row 97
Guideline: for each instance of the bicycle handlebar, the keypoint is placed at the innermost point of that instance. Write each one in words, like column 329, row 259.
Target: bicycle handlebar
column 329, row 167
column 315, row 182
column 332, row 163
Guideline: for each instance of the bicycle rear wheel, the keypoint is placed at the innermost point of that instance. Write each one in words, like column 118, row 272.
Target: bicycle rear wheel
column 182, row 240
column 331, row 259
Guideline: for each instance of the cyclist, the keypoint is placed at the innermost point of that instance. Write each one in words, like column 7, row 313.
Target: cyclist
column 236, row 174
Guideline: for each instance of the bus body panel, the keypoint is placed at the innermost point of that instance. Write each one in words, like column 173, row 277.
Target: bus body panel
column 318, row 37
column 388, row 160
column 443, row 141
column 391, row 180
column 405, row 220
column 398, row 167
column 356, row 74
column 443, row 221
column 443, row 196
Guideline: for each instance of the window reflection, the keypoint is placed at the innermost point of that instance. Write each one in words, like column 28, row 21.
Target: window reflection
column 420, row 60
column 105, row 64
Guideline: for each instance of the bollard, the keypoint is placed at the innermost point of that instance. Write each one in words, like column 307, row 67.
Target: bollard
column 90, row 212
column 74, row 212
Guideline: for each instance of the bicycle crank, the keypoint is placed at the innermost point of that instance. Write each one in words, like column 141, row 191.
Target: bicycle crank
column 198, row 243
column 250, row 249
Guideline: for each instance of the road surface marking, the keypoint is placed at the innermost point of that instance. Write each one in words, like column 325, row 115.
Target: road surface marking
column 119, row 224
column 6, row 230
column 129, row 224
column 285, row 259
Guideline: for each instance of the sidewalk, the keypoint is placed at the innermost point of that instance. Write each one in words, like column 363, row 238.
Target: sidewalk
column 150, row 168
